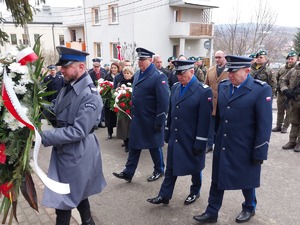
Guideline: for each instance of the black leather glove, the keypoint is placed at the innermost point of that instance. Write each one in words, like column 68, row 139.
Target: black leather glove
column 197, row 151
column 257, row 161
column 288, row 93
column 157, row 128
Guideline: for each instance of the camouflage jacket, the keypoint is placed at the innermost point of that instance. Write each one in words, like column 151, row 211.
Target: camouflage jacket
column 266, row 74
column 291, row 80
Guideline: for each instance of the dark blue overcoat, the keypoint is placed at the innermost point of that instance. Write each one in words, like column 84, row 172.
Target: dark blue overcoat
column 243, row 123
column 150, row 100
column 55, row 84
column 187, row 127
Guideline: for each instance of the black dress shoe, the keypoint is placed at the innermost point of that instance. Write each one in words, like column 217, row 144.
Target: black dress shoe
column 190, row 199
column 244, row 216
column 205, row 218
column 123, row 176
column 158, row 200
column 155, row 176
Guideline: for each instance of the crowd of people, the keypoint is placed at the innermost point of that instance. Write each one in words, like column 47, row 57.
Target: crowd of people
column 225, row 109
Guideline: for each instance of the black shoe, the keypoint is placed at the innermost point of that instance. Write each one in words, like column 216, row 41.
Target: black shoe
column 109, row 136
column 190, row 199
column 205, row 218
column 158, row 200
column 126, row 149
column 155, row 176
column 244, row 216
column 209, row 149
column 123, row 176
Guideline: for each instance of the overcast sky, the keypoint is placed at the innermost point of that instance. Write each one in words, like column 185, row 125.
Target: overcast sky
column 287, row 12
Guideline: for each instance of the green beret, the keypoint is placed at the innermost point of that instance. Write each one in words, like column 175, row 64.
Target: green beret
column 291, row 54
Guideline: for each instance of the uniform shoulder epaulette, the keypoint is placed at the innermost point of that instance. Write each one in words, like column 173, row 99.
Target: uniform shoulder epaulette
column 262, row 83
column 224, row 80
column 93, row 88
column 203, row 85
column 160, row 72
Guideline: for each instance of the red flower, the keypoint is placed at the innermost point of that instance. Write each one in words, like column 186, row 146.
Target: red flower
column 130, row 103
column 122, row 105
column 128, row 95
column 116, row 110
column 4, row 189
column 2, row 153
column 128, row 111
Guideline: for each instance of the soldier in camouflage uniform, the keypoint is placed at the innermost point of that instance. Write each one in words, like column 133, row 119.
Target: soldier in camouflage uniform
column 281, row 98
column 200, row 70
column 170, row 67
column 290, row 87
column 261, row 71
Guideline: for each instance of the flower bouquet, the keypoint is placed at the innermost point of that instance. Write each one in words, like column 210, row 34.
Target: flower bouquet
column 16, row 135
column 107, row 92
column 122, row 104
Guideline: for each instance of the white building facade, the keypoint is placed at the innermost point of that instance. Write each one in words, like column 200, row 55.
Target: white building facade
column 166, row 27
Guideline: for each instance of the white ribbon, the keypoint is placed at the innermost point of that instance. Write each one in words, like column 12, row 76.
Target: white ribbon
column 60, row 188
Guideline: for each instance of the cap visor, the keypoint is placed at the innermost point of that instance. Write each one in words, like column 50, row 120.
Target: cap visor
column 63, row 63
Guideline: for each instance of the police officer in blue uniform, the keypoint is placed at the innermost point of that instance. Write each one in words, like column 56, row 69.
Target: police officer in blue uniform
column 243, row 127
column 186, row 132
column 150, row 100
column 75, row 156
column 54, row 82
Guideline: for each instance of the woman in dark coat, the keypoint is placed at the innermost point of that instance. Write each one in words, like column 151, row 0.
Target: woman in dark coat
column 123, row 122
column 110, row 116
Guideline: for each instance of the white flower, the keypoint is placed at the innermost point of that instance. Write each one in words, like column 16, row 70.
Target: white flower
column 20, row 89
column 25, row 79
column 1, row 68
column 17, row 68
column 11, row 122
column 12, row 75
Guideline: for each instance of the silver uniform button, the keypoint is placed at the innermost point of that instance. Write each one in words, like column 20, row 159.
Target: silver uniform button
column 225, row 135
column 223, row 149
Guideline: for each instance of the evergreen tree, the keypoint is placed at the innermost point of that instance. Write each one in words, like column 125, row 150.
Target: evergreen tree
column 21, row 12
column 297, row 41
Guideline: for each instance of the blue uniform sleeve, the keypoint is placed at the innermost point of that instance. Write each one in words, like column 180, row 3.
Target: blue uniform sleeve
column 162, row 99
column 204, row 118
column 263, row 112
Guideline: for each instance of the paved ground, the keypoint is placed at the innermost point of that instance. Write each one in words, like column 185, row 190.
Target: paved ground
column 123, row 203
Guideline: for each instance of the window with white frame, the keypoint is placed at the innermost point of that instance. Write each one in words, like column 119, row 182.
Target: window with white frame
column 97, row 49
column 13, row 39
column 113, row 12
column 113, row 51
column 96, row 16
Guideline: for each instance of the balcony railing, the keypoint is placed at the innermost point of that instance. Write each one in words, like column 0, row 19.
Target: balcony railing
column 76, row 45
column 191, row 30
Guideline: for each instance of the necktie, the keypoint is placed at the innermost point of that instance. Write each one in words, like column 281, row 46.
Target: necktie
column 234, row 89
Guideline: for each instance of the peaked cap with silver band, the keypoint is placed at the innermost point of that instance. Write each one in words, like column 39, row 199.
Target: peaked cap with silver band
column 183, row 65
column 144, row 53
column 235, row 63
